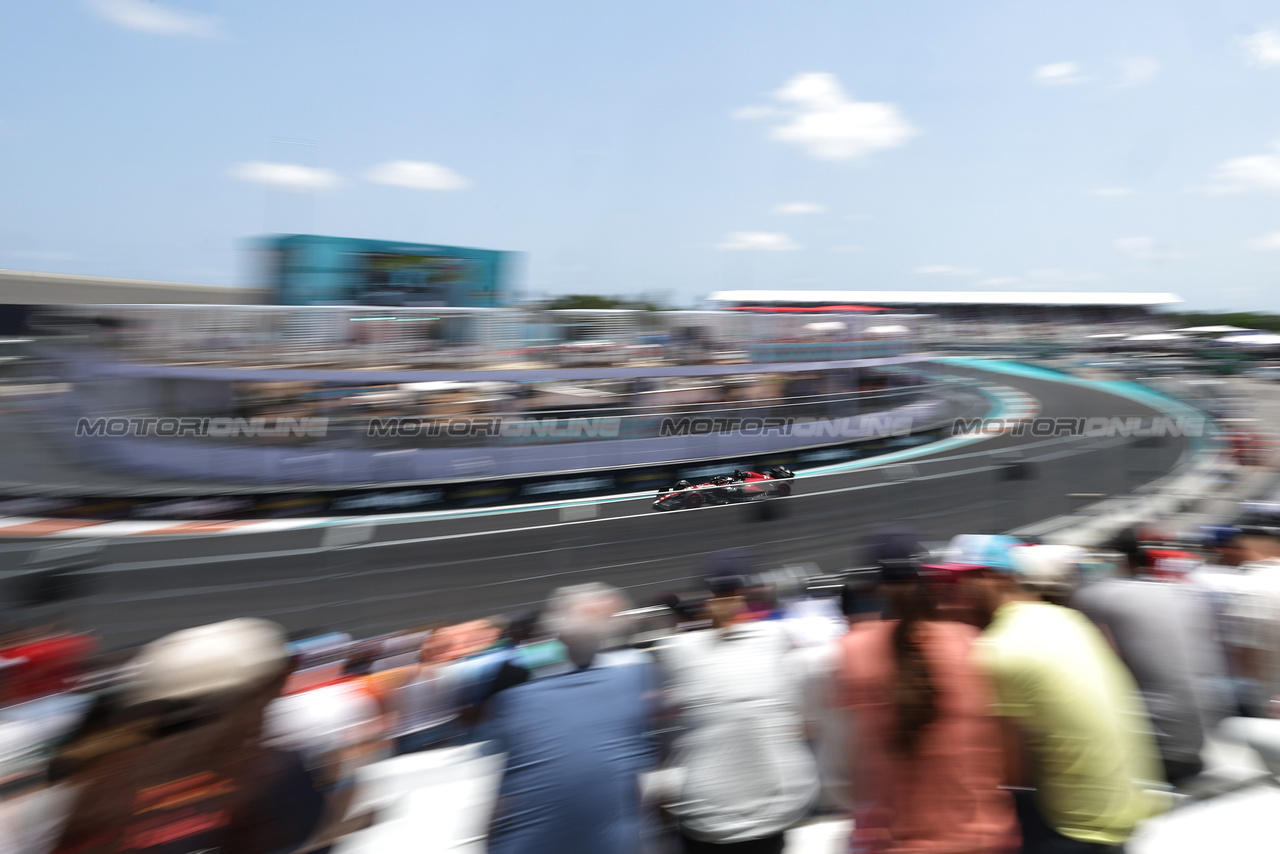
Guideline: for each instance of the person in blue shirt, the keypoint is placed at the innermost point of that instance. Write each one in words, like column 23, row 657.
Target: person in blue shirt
column 576, row 742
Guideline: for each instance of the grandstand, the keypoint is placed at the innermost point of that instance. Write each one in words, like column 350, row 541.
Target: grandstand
column 23, row 292
column 22, row 287
column 978, row 318
column 1012, row 306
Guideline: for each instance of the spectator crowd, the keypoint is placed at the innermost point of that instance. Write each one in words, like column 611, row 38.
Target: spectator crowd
column 993, row 695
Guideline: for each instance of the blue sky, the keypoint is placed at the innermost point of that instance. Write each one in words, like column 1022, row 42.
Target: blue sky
column 660, row 147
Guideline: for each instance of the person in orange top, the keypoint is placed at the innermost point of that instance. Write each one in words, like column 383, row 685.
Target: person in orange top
column 928, row 762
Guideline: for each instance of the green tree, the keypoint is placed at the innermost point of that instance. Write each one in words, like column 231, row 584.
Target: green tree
column 593, row 301
column 1244, row 319
column 584, row 301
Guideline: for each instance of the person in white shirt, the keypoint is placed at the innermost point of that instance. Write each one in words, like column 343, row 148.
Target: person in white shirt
column 747, row 774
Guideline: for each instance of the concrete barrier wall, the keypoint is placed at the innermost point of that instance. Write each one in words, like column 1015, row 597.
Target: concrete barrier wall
column 190, row 459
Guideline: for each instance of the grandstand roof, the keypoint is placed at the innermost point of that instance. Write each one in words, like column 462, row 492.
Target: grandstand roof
column 915, row 298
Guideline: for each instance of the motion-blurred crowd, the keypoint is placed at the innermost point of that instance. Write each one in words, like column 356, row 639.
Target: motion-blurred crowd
column 990, row 695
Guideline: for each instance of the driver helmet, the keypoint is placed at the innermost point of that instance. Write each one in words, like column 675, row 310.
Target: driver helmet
column 683, row 484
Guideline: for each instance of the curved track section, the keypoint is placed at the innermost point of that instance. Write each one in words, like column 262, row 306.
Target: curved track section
column 368, row 576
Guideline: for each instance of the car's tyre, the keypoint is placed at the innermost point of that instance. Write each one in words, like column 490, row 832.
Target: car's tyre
column 694, row 500
column 783, row 490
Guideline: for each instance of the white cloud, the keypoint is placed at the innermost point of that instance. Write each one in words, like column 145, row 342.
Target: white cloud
column 1111, row 192
column 1137, row 248
column 417, row 175
column 799, row 208
column 1134, row 71
column 1059, row 276
column 1146, row 250
column 1263, row 48
column 1267, row 242
column 37, row 255
column 749, row 113
column 148, row 17
column 1138, row 70
column 1058, row 74
column 1043, row 278
column 209, row 274
column 758, row 241
column 827, row 124
column 286, row 176
column 1254, row 173
column 945, row 270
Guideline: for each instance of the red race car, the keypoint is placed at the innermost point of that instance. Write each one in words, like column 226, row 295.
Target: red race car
column 736, row 488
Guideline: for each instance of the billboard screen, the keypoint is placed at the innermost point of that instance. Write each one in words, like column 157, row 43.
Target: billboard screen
column 411, row 278
column 312, row 270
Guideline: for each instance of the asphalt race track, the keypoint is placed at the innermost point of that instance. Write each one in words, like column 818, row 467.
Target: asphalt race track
column 367, row 579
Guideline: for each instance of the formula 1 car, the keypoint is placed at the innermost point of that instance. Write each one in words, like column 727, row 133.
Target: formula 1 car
column 736, row 488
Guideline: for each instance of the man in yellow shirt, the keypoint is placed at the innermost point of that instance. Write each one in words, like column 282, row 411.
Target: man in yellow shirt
column 1088, row 743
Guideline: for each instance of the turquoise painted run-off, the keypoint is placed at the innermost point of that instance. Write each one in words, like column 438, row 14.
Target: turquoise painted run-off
column 1121, row 388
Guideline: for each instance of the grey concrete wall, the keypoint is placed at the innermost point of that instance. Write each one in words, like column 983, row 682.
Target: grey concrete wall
column 20, row 287
column 202, row 460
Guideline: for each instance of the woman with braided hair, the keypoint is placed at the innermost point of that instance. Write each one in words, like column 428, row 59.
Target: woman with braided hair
column 927, row 762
